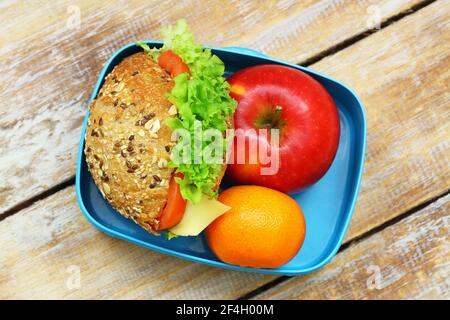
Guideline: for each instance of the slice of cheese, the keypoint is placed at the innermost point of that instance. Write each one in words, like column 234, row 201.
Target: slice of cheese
column 198, row 216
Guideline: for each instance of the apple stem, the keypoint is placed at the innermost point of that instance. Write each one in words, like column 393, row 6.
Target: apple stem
column 275, row 123
column 270, row 119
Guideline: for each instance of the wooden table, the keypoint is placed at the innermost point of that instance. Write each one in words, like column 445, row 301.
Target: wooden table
column 395, row 54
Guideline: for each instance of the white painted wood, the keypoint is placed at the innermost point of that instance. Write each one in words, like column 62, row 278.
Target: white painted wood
column 409, row 260
column 49, row 67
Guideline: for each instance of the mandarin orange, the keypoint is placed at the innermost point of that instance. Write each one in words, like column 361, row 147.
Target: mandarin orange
column 264, row 228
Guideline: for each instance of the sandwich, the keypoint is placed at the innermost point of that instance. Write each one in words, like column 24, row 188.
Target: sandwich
column 142, row 146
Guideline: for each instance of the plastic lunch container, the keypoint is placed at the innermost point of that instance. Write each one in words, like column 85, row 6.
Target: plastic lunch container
column 328, row 204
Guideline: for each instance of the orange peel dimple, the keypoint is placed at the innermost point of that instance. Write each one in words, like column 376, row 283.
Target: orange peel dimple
column 237, row 89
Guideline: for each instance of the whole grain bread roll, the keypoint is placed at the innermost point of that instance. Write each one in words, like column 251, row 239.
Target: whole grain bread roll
column 127, row 147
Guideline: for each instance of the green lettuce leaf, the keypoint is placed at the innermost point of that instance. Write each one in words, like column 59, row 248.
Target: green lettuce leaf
column 201, row 98
column 169, row 235
column 152, row 52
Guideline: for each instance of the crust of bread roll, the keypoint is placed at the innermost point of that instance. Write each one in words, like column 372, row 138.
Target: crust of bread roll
column 127, row 147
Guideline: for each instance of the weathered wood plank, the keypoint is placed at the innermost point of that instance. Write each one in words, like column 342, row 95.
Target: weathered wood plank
column 45, row 244
column 49, row 66
column 115, row 269
column 402, row 75
column 408, row 260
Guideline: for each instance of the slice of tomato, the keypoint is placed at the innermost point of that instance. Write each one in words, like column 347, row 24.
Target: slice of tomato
column 171, row 62
column 173, row 212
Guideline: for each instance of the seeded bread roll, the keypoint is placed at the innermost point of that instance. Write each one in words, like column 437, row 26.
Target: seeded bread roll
column 127, row 147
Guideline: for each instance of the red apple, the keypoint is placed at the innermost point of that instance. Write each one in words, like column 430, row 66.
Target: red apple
column 279, row 97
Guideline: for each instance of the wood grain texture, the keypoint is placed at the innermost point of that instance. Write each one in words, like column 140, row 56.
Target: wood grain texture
column 43, row 245
column 408, row 260
column 402, row 75
column 49, row 66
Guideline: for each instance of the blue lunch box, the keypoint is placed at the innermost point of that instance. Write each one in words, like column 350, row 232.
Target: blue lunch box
column 328, row 204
